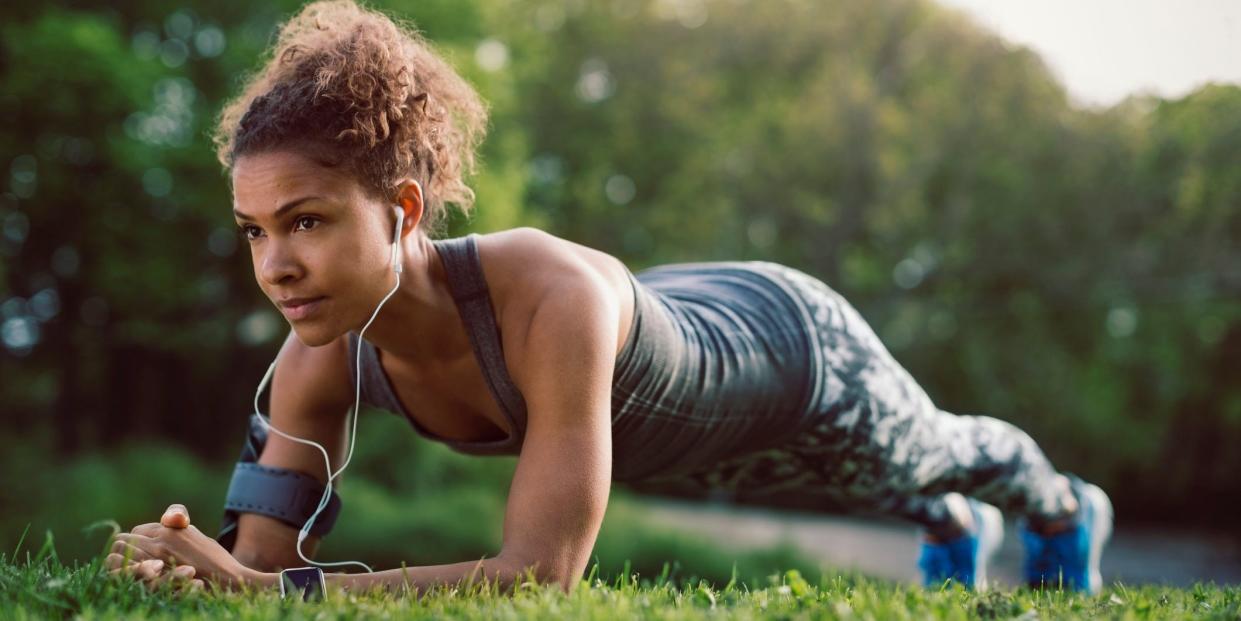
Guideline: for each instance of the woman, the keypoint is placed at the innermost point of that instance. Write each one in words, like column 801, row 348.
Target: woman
column 749, row 377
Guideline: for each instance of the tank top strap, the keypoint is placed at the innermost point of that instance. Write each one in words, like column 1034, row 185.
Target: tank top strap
column 469, row 290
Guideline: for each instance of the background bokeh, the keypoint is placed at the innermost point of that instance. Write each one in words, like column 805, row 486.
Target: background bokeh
column 1075, row 271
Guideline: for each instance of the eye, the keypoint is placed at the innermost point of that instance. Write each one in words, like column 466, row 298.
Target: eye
column 245, row 230
column 304, row 219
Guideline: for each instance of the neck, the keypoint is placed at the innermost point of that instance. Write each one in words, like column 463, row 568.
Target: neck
column 413, row 324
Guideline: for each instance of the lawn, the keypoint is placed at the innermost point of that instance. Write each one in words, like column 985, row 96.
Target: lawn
column 40, row 586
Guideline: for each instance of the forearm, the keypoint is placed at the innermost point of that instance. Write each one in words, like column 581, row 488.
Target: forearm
column 269, row 545
column 272, row 562
column 422, row 579
column 496, row 570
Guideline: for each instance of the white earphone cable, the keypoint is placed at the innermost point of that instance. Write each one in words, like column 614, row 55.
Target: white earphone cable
column 353, row 434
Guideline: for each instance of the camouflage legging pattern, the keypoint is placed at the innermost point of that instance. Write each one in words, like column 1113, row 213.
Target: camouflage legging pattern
column 883, row 446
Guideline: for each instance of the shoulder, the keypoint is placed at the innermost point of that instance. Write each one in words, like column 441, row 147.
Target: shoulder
column 537, row 279
column 530, row 247
column 524, row 264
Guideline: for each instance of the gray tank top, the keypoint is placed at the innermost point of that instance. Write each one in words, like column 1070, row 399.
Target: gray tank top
column 718, row 362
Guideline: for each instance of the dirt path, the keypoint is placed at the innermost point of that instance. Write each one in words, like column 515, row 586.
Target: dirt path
column 889, row 549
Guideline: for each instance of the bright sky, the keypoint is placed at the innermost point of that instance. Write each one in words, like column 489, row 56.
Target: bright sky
column 1104, row 50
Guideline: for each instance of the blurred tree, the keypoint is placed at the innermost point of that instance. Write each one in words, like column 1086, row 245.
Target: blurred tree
column 126, row 290
column 1073, row 271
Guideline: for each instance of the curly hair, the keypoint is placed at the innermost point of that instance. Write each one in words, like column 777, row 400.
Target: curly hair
column 349, row 86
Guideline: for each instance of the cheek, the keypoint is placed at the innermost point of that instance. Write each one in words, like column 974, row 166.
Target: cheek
column 349, row 262
column 370, row 254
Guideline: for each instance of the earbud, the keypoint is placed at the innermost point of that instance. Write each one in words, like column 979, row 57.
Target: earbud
column 396, row 235
column 396, row 239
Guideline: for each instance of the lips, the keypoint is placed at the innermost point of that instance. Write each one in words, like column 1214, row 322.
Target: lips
column 300, row 308
column 291, row 302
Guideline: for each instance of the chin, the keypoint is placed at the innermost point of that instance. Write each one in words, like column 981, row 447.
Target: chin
column 312, row 335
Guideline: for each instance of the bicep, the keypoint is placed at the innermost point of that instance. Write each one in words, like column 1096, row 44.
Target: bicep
column 310, row 399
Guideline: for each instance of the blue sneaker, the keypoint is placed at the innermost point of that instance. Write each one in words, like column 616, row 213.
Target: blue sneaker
column 965, row 558
column 1071, row 558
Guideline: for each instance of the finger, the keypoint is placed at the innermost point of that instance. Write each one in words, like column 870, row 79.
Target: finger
column 177, row 576
column 131, row 537
column 116, row 560
column 126, row 570
column 188, row 586
column 147, row 530
column 148, row 546
column 129, row 551
column 176, row 516
column 184, row 572
column 154, row 581
column 148, row 569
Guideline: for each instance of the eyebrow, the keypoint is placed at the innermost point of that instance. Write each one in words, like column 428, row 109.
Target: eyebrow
column 281, row 211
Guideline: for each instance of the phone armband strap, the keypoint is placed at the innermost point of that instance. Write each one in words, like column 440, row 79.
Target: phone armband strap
column 287, row 495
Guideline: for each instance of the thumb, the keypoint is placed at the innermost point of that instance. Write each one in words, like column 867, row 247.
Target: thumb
column 177, row 516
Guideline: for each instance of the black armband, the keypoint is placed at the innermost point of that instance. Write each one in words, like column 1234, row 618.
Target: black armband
column 287, row 495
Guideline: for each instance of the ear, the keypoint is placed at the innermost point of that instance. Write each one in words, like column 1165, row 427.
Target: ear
column 409, row 198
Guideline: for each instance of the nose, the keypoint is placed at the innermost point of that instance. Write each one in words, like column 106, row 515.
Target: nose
column 279, row 263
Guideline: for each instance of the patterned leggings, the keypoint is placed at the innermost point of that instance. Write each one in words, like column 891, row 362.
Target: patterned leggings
column 882, row 446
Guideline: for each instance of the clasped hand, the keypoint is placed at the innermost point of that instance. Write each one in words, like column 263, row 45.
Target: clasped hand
column 173, row 551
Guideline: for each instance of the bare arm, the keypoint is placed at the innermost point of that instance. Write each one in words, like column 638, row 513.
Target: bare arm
column 561, row 485
column 310, row 398
column 560, row 488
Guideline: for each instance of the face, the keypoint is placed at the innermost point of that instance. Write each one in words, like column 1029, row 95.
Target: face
column 315, row 234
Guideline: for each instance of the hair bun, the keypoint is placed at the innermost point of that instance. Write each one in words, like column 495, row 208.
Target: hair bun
column 373, row 93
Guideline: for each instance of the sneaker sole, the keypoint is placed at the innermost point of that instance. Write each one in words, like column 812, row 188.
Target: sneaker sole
column 990, row 536
column 1100, row 524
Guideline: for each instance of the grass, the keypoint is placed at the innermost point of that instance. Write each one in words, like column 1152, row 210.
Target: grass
column 41, row 586
column 416, row 502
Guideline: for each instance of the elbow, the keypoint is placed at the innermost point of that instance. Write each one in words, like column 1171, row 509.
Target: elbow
column 541, row 571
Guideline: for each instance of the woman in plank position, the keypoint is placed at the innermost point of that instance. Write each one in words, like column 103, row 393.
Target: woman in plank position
column 747, row 377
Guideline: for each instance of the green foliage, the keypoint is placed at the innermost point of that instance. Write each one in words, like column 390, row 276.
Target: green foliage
column 1072, row 271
